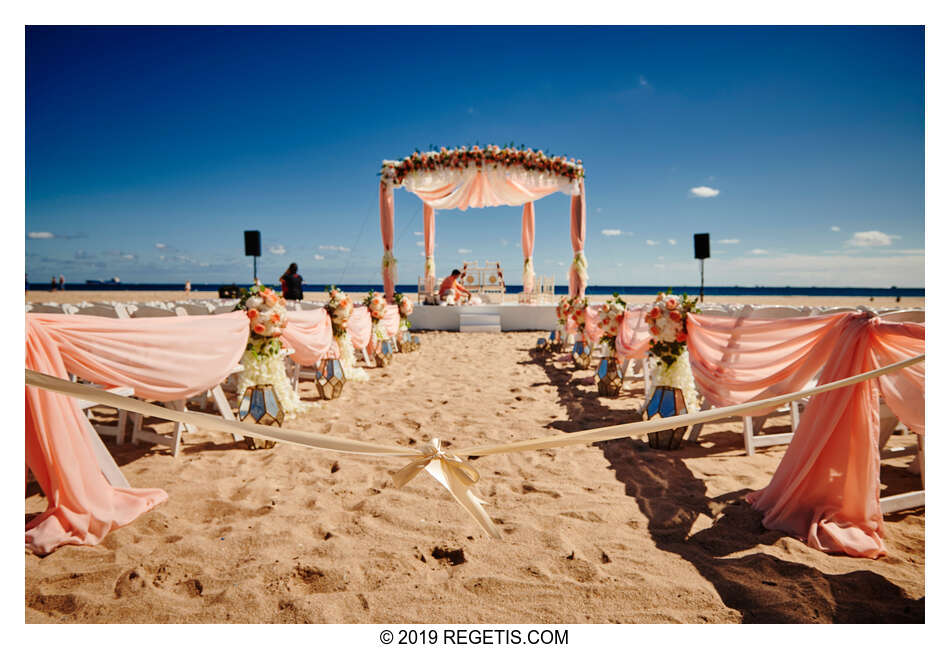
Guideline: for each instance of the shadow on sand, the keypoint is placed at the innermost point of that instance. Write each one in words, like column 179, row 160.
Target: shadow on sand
column 762, row 587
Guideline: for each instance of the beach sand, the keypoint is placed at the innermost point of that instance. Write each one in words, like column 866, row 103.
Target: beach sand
column 611, row 532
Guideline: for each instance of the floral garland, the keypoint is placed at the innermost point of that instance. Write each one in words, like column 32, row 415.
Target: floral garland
column 263, row 360
column 579, row 313
column 492, row 155
column 609, row 318
column 669, row 357
column 405, row 309
column 376, row 304
column 340, row 308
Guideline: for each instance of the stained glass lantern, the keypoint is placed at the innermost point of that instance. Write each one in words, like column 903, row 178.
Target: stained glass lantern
column 384, row 353
column 260, row 405
column 541, row 345
column 416, row 343
column 330, row 378
column 581, row 355
column 555, row 344
column 609, row 378
column 404, row 341
column 666, row 401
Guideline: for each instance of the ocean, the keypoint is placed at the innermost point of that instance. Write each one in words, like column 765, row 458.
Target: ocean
column 837, row 291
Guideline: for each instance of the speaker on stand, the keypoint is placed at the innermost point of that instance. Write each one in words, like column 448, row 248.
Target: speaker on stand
column 252, row 246
column 701, row 252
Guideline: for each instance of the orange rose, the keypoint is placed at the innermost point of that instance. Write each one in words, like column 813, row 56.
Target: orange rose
column 252, row 313
column 681, row 336
column 259, row 328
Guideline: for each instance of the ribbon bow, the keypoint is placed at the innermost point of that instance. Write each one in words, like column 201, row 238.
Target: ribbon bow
column 453, row 473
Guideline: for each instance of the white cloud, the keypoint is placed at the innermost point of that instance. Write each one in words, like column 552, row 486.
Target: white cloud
column 160, row 245
column 672, row 242
column 871, row 238
column 319, row 257
column 651, row 242
column 704, row 192
column 835, row 228
column 419, row 234
column 758, row 251
column 335, row 248
column 40, row 235
column 728, row 241
column 128, row 256
column 611, row 232
column 464, row 251
column 420, row 243
column 277, row 250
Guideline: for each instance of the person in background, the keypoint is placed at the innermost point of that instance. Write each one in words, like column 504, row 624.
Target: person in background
column 291, row 283
column 451, row 285
column 187, row 288
column 257, row 282
column 52, row 284
column 62, row 283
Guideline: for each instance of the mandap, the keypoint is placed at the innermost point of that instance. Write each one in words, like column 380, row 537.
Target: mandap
column 483, row 177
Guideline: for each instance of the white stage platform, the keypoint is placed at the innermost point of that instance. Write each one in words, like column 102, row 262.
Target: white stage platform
column 513, row 317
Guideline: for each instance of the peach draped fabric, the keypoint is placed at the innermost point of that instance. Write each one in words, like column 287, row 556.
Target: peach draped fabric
column 475, row 187
column 310, row 335
column 576, row 280
column 736, row 360
column 390, row 320
column 826, row 490
column 527, row 245
column 633, row 339
column 428, row 230
column 161, row 358
column 360, row 327
column 386, row 229
column 592, row 331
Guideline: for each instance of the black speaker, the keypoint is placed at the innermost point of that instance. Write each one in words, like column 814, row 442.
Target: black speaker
column 701, row 246
column 252, row 243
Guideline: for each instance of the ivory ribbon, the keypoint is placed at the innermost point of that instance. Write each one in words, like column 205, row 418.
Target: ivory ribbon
column 453, row 473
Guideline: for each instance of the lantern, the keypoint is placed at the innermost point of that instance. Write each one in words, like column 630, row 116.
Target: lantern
column 666, row 401
column 541, row 345
column 609, row 378
column 330, row 378
column 581, row 355
column 384, row 353
column 404, row 341
column 416, row 343
column 261, row 406
column 555, row 344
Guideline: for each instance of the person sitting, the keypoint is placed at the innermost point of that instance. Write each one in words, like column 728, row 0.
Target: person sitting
column 451, row 286
column 291, row 283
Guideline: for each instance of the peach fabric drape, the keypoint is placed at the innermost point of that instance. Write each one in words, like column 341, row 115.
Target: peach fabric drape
column 736, row 360
column 360, row 327
column 592, row 332
column 386, row 229
column 161, row 358
column 633, row 339
column 576, row 275
column 826, row 488
column 527, row 246
column 390, row 320
column 310, row 335
column 428, row 230
column 483, row 187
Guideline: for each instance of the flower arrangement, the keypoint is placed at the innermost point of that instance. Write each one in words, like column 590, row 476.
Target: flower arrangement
column 405, row 309
column 267, row 317
column 579, row 313
column 376, row 303
column 667, row 321
column 609, row 318
column 262, row 360
column 564, row 309
column 492, row 156
column 340, row 308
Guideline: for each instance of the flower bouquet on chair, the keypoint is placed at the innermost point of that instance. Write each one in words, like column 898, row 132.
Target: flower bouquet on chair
column 404, row 338
column 264, row 389
column 339, row 307
column 674, row 390
column 383, row 351
column 581, row 351
column 609, row 318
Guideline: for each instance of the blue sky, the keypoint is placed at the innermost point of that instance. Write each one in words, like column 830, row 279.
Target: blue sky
column 149, row 150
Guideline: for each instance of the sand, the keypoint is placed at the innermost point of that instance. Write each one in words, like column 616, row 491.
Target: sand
column 612, row 532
